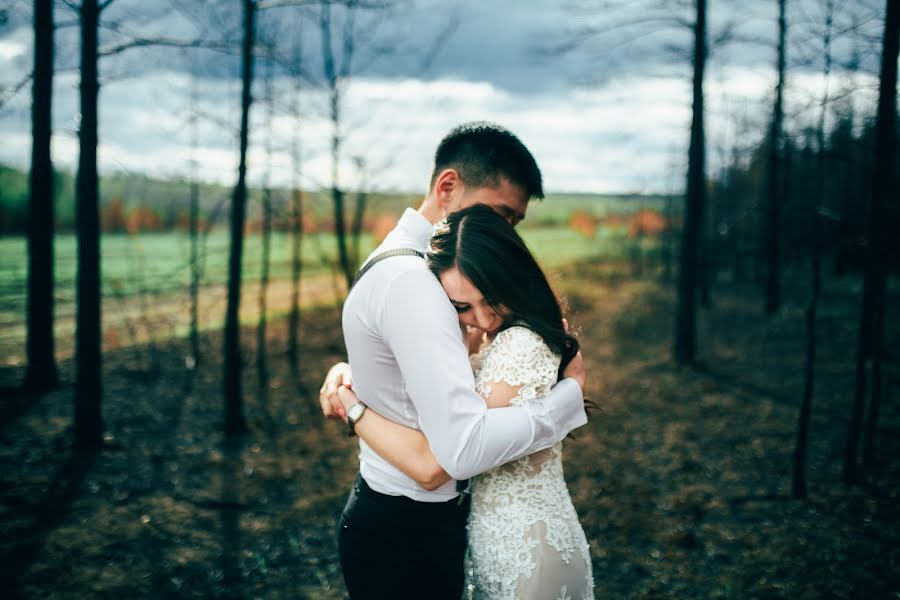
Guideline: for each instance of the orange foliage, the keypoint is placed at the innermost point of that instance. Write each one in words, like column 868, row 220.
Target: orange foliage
column 646, row 223
column 584, row 224
column 612, row 222
column 113, row 217
column 381, row 227
column 143, row 219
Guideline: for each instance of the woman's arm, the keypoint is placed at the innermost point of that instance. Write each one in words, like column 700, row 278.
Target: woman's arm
column 404, row 447
column 407, row 448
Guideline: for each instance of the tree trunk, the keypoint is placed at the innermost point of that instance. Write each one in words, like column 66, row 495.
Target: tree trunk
column 195, row 271
column 262, row 369
column 774, row 201
column 296, row 229
column 194, row 227
column 885, row 190
column 234, row 407
column 799, row 480
column 261, row 363
column 685, row 327
column 296, row 258
column 356, row 227
column 41, row 374
column 337, row 195
column 88, row 419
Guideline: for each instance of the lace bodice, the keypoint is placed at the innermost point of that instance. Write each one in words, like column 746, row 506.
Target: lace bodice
column 525, row 540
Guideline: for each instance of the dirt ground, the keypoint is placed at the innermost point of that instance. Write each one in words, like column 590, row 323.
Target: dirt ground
column 682, row 482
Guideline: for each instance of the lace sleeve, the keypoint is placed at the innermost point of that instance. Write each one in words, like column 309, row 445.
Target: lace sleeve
column 519, row 358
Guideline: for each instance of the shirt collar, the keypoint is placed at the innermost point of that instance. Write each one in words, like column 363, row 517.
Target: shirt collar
column 417, row 227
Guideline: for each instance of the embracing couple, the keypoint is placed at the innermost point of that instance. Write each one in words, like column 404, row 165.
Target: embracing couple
column 464, row 382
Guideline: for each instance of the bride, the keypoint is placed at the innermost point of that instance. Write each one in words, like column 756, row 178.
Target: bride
column 525, row 541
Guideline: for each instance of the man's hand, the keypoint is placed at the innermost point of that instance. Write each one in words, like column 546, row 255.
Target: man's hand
column 575, row 370
column 338, row 375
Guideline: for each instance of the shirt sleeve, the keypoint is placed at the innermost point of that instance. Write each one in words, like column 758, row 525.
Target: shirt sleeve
column 420, row 325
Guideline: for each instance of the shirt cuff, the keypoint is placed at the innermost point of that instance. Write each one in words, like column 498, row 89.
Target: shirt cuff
column 561, row 411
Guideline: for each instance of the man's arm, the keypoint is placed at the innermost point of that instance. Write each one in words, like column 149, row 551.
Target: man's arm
column 421, row 327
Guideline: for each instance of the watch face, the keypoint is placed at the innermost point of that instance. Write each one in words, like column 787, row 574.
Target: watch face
column 355, row 411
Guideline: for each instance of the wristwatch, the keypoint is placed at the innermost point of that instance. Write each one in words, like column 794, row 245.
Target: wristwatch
column 354, row 414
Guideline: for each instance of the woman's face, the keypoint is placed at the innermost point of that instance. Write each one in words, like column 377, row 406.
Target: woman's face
column 469, row 302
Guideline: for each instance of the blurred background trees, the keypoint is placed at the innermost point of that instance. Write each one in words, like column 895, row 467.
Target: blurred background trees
column 795, row 185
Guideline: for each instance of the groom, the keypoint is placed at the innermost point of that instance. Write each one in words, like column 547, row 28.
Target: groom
column 410, row 364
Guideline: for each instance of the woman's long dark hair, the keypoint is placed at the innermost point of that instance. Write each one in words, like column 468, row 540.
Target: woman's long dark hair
column 488, row 251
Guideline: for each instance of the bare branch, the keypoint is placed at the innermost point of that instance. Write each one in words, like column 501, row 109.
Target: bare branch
column 6, row 96
column 169, row 43
column 430, row 54
column 75, row 7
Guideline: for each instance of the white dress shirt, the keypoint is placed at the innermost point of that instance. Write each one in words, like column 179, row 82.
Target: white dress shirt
column 411, row 366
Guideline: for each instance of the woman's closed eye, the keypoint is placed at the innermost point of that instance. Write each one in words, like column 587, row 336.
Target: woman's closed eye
column 461, row 308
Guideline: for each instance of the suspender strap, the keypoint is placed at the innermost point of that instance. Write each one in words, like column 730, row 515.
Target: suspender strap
column 381, row 257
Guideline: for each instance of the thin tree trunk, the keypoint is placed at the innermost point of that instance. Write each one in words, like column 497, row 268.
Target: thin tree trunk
column 667, row 239
column 262, row 369
column 261, row 363
column 195, row 272
column 685, row 327
column 234, row 406
column 296, row 240
column 356, row 228
column 799, row 479
column 88, row 419
column 774, row 200
column 337, row 195
column 41, row 374
column 296, row 269
column 885, row 190
column 194, row 226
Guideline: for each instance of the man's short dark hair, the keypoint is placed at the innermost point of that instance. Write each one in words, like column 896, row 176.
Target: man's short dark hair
column 483, row 153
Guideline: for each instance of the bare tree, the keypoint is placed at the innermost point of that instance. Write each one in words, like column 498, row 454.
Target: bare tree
column 266, row 241
column 772, row 230
column 684, row 348
column 88, row 390
column 817, row 207
column 871, row 329
column 296, row 240
column 335, row 75
column 359, row 209
column 234, row 406
column 194, row 228
column 41, row 374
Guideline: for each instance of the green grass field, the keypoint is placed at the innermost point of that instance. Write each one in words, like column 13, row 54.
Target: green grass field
column 146, row 278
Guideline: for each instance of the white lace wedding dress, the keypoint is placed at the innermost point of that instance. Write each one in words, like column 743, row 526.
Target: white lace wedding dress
column 525, row 541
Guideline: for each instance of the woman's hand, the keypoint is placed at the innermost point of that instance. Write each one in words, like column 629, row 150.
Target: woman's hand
column 338, row 375
column 347, row 398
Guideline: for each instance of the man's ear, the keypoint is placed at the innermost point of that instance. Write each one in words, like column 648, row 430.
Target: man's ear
column 447, row 187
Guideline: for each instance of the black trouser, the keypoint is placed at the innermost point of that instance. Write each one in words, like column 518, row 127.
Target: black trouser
column 395, row 547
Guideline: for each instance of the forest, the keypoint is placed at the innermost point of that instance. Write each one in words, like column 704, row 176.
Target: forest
column 187, row 190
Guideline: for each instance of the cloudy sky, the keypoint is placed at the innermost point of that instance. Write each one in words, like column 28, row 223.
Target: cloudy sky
column 607, row 114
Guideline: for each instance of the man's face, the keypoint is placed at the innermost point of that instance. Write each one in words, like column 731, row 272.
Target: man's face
column 507, row 199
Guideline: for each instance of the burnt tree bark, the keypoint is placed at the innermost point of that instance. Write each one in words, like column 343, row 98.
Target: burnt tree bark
column 334, row 77
column 684, row 348
column 772, row 231
column 798, row 486
column 296, row 212
column 234, row 406
column 41, row 374
column 88, row 390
